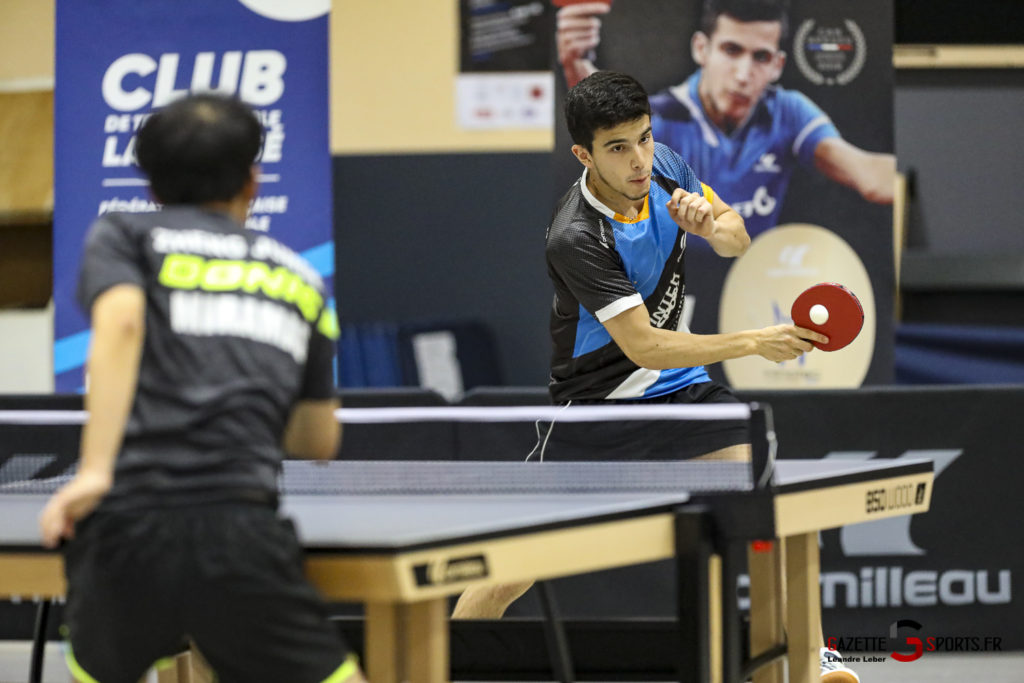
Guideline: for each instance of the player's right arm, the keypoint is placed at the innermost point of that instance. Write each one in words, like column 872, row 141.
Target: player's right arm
column 577, row 34
column 657, row 349
column 118, row 330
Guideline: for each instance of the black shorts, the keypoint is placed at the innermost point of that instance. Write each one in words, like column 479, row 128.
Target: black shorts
column 650, row 439
column 228, row 576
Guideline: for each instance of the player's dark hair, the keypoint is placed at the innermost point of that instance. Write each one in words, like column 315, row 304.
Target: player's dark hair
column 604, row 99
column 745, row 10
column 199, row 149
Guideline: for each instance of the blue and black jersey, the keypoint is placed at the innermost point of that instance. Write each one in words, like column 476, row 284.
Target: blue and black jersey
column 750, row 167
column 602, row 264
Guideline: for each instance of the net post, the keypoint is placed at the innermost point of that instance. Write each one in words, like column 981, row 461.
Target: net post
column 763, row 444
column 693, row 546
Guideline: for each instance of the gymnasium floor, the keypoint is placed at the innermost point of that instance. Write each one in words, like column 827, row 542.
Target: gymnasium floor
column 933, row 668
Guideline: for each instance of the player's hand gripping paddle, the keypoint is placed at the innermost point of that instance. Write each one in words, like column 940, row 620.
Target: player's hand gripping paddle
column 832, row 310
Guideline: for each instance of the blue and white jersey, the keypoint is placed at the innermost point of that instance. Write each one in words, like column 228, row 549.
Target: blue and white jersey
column 603, row 264
column 751, row 167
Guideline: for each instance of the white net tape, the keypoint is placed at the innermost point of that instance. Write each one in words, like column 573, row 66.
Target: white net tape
column 586, row 413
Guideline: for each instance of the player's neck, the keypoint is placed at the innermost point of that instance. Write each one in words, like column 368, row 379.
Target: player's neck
column 237, row 208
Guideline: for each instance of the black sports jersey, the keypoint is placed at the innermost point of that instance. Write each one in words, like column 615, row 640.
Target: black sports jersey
column 602, row 264
column 237, row 331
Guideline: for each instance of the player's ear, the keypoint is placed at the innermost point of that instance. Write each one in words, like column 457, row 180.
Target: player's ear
column 583, row 155
column 699, row 47
column 252, row 185
column 778, row 62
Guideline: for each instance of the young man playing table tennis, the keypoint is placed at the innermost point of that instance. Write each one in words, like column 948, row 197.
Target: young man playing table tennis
column 210, row 357
column 615, row 252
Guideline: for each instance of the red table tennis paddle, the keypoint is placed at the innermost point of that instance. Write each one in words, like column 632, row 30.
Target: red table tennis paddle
column 844, row 315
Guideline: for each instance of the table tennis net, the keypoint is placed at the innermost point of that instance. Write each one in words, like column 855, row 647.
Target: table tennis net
column 484, row 478
column 28, row 473
column 299, row 477
column 41, row 450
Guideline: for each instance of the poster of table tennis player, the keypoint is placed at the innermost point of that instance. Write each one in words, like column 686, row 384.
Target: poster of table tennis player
column 116, row 66
column 784, row 108
column 504, row 79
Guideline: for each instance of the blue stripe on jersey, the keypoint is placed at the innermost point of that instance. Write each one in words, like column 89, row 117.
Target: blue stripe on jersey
column 646, row 245
column 590, row 334
column 671, row 381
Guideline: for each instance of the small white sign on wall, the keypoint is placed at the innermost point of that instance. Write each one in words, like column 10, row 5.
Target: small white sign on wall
column 488, row 101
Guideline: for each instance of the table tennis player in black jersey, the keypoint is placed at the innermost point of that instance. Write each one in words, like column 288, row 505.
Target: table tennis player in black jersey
column 615, row 252
column 210, row 358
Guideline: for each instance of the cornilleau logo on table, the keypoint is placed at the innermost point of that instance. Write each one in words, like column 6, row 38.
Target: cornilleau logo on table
column 893, row 585
column 889, row 536
column 451, row 570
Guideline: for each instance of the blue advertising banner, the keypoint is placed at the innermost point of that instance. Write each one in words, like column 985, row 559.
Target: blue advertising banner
column 120, row 60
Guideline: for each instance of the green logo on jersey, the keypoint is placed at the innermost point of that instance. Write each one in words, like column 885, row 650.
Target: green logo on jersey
column 188, row 271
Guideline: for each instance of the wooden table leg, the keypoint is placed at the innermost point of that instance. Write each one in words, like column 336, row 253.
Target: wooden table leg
column 427, row 641
column 803, row 608
column 715, row 627
column 766, row 606
column 380, row 653
column 407, row 642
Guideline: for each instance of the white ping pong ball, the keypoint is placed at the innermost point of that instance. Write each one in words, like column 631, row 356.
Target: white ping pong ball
column 819, row 314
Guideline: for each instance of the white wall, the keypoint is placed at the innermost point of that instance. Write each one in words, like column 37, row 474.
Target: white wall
column 26, row 351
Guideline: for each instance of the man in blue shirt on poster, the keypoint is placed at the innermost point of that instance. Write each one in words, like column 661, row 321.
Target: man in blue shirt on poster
column 728, row 120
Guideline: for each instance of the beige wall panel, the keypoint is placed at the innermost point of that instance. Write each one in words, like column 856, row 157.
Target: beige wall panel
column 26, row 155
column 26, row 42
column 393, row 67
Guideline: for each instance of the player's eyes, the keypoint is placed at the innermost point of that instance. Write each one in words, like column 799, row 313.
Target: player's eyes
column 762, row 56
column 732, row 49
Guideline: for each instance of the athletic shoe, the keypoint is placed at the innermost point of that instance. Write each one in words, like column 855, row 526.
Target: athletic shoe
column 833, row 670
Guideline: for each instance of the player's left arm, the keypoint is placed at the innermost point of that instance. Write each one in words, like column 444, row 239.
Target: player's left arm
column 313, row 432
column 872, row 174
column 710, row 217
column 118, row 330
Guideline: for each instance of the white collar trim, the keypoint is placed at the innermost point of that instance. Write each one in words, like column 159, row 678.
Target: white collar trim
column 591, row 199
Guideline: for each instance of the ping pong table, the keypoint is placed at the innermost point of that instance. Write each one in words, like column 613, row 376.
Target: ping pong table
column 402, row 537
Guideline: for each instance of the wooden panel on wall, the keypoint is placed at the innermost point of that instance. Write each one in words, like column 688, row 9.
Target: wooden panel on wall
column 958, row 56
column 393, row 68
column 27, row 41
column 26, row 265
column 26, row 156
